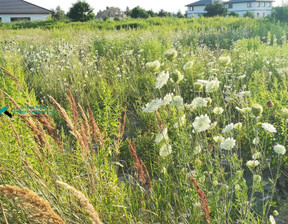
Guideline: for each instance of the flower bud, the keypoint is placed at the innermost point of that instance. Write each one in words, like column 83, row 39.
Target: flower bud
column 171, row 54
column 198, row 86
column 177, row 76
column 257, row 110
column 152, row 66
column 284, row 113
column 275, row 213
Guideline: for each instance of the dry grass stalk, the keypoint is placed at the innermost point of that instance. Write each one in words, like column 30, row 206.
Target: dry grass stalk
column 147, row 176
column 63, row 113
column 74, row 109
column 160, row 123
column 15, row 133
column 120, row 132
column 137, row 164
column 51, row 129
column 11, row 76
column 85, row 124
column 83, row 200
column 97, row 134
column 3, row 213
column 39, row 210
column 203, row 200
column 78, row 136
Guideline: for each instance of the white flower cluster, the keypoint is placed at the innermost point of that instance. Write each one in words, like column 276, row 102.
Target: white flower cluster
column 162, row 138
column 202, row 123
column 161, row 80
column 228, row 144
column 269, row 127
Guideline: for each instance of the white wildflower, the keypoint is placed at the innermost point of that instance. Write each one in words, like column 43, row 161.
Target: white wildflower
column 177, row 101
column 224, row 60
column 165, row 150
column 153, row 106
column 152, row 66
column 167, row 99
column 279, row 149
column 269, row 127
column 201, row 123
column 218, row 139
column 197, row 150
column 256, row 155
column 162, row 136
column 199, row 102
column 238, row 126
column 228, row 128
column 218, row 110
column 228, row 144
column 212, row 86
column 272, row 220
column 256, row 141
column 252, row 163
column 161, row 80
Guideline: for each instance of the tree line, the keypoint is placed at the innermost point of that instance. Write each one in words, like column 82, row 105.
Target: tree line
column 82, row 11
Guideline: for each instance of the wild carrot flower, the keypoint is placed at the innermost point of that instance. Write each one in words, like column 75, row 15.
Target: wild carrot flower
column 218, row 139
column 162, row 136
column 228, row 144
column 153, row 106
column 170, row 54
column 152, row 66
column 167, row 99
column 284, row 113
column 199, row 102
column 218, row 110
column 238, row 126
column 257, row 110
column 252, row 163
column 269, row 127
column 201, row 123
column 279, row 149
column 165, row 150
column 177, row 101
column 161, row 80
column 212, row 86
column 272, row 220
column 228, row 128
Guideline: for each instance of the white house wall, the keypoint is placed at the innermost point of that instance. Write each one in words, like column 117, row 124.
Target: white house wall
column 198, row 10
column 33, row 17
column 242, row 8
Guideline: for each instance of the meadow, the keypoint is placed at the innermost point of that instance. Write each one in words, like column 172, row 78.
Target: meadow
column 161, row 120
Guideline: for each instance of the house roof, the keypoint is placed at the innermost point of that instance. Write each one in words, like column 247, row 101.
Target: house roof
column 21, row 7
column 205, row 2
column 200, row 2
column 240, row 1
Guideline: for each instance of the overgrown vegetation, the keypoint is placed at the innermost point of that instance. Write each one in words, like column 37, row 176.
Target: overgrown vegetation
column 155, row 121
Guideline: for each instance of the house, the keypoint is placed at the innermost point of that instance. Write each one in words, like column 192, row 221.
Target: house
column 19, row 10
column 260, row 8
column 111, row 13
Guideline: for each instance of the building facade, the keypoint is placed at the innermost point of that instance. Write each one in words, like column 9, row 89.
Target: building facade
column 19, row 10
column 259, row 8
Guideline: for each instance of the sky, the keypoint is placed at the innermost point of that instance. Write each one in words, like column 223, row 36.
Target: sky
column 155, row 5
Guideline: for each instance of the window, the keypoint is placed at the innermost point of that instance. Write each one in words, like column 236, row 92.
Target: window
column 249, row 4
column 0, row 19
column 263, row 14
column 264, row 4
column 230, row 6
column 20, row 19
column 258, row 4
column 191, row 8
column 258, row 14
column 269, row 4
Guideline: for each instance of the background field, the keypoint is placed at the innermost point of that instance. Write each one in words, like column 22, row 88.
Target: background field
column 71, row 67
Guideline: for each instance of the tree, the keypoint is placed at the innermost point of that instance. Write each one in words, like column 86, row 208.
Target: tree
column 81, row 11
column 58, row 14
column 138, row 12
column 180, row 15
column 249, row 14
column 280, row 14
column 235, row 14
column 215, row 9
column 151, row 13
